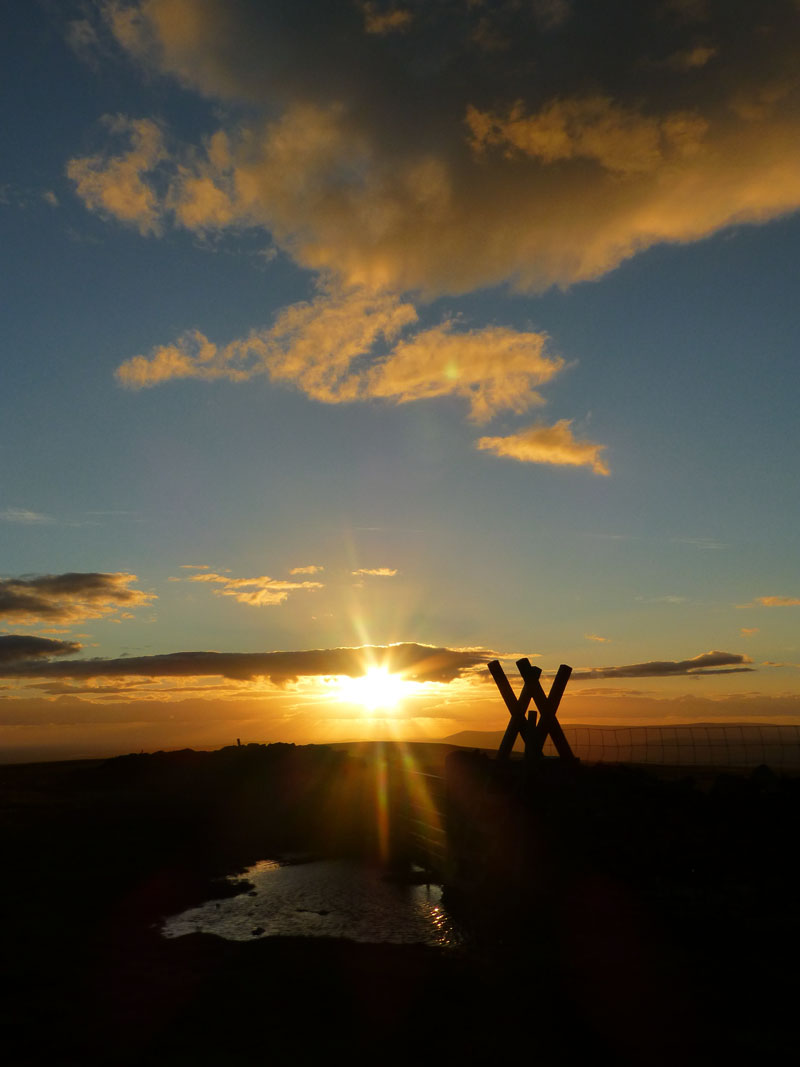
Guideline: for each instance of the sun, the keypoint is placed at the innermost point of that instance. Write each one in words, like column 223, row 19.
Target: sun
column 377, row 689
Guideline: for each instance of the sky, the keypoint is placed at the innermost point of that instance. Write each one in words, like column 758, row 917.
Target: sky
column 347, row 346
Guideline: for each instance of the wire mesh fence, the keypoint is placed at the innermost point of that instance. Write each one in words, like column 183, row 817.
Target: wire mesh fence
column 705, row 745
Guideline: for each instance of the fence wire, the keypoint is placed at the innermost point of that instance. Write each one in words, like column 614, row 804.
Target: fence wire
column 708, row 745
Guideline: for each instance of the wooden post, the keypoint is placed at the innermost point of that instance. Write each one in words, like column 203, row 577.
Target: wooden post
column 530, row 679
column 516, row 707
column 547, row 705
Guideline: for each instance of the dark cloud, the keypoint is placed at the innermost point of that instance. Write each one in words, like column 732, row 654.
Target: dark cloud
column 416, row 662
column 14, row 648
column 706, row 663
column 558, row 139
column 68, row 597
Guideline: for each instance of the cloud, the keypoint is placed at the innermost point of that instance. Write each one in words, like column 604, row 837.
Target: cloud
column 23, row 515
column 692, row 57
column 375, row 572
column 416, row 662
column 36, row 518
column 597, row 637
column 312, row 568
column 82, row 37
column 669, row 598
column 311, row 344
column 69, row 597
column 494, row 369
column 706, row 663
column 381, row 20
column 748, row 631
column 257, row 592
column 14, row 648
column 121, row 186
column 547, row 444
column 346, row 346
column 778, row 601
column 621, row 141
column 537, row 144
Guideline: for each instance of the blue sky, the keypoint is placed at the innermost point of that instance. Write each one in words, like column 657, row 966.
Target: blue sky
column 496, row 308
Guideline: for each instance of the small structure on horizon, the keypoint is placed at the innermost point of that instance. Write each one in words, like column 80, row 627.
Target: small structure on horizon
column 523, row 721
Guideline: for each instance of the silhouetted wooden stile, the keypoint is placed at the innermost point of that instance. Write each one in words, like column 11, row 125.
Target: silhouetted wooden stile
column 533, row 733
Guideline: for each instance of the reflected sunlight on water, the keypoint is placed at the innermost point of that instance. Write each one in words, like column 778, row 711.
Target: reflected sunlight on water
column 328, row 898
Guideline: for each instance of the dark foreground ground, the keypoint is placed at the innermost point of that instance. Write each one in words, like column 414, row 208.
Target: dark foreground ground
column 613, row 916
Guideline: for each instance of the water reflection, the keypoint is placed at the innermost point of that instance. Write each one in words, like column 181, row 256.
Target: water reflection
column 323, row 899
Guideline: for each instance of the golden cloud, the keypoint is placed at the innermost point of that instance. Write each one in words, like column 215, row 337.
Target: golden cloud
column 259, row 592
column 622, row 141
column 434, row 161
column 120, row 186
column 320, row 347
column 548, row 444
column 426, row 161
column 375, row 572
column 778, row 601
column 494, row 369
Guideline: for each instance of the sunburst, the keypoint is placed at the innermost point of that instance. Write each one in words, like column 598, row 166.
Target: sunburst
column 376, row 690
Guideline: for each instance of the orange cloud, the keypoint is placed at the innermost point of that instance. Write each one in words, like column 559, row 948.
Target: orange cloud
column 319, row 346
column 778, row 601
column 434, row 161
column 375, row 572
column 547, row 444
column 621, row 140
column 311, row 344
column 259, row 592
column 494, row 369
column 371, row 178
column 311, row 569
column 120, row 186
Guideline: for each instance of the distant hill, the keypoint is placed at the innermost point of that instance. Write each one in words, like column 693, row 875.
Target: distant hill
column 478, row 739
